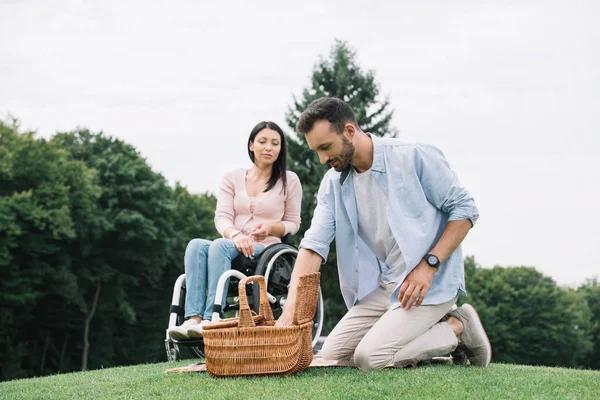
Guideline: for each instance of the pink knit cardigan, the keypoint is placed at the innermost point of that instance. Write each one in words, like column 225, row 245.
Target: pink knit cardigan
column 233, row 205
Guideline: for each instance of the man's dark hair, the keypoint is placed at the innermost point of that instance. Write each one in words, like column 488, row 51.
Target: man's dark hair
column 332, row 109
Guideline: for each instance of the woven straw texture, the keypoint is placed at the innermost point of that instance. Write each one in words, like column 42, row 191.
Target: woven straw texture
column 253, row 346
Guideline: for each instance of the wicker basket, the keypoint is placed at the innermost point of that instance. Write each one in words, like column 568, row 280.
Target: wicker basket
column 253, row 345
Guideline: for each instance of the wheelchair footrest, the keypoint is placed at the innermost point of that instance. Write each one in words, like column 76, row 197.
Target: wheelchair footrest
column 188, row 342
column 177, row 309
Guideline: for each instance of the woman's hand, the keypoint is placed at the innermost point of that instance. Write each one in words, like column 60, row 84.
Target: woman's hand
column 260, row 232
column 244, row 244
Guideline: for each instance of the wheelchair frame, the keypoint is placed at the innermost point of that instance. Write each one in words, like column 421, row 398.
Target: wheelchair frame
column 177, row 310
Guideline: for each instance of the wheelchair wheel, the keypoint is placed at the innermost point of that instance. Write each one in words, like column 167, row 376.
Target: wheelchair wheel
column 197, row 351
column 276, row 264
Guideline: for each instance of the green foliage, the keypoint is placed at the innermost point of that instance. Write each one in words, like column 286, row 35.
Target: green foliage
column 528, row 318
column 191, row 216
column 90, row 237
column 135, row 209
column 590, row 291
column 339, row 76
column 44, row 198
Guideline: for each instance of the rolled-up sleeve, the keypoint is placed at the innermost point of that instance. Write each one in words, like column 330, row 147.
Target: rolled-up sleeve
column 441, row 185
column 291, row 216
column 225, row 214
column 319, row 236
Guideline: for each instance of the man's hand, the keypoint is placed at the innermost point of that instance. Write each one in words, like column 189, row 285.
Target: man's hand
column 287, row 317
column 416, row 285
column 244, row 244
column 260, row 232
column 307, row 262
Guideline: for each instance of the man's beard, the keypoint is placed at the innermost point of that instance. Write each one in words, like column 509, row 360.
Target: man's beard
column 346, row 155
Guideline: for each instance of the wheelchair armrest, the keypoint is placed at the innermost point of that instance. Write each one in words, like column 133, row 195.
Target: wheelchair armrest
column 287, row 239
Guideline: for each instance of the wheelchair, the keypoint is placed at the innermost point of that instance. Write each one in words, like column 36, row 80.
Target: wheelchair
column 275, row 263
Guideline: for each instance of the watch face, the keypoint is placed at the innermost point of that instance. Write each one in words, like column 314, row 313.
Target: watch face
column 432, row 260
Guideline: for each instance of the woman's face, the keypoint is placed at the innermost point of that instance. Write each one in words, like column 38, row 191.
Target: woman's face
column 266, row 146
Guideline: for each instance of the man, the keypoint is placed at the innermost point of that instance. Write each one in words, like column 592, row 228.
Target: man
column 398, row 215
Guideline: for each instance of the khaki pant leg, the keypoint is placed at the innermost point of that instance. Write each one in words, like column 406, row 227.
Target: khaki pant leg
column 384, row 343
column 343, row 339
column 439, row 340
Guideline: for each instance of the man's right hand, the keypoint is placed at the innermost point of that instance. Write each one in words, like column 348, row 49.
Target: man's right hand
column 307, row 262
column 286, row 318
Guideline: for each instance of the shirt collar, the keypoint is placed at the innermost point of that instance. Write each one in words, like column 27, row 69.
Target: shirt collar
column 378, row 162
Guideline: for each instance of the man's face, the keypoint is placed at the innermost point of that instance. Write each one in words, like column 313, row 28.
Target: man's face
column 332, row 148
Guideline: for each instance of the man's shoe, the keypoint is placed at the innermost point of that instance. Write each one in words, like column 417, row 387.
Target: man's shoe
column 195, row 331
column 459, row 355
column 181, row 332
column 474, row 340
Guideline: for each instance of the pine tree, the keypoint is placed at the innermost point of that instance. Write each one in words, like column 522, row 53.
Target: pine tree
column 337, row 76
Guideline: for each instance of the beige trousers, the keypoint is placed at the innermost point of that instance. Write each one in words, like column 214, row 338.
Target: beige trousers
column 374, row 337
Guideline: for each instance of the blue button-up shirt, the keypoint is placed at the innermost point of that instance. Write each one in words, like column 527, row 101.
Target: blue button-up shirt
column 423, row 195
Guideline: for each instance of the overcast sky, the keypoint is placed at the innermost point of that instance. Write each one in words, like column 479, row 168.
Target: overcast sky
column 510, row 91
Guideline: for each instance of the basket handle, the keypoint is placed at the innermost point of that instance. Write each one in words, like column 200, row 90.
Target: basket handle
column 246, row 320
column 307, row 296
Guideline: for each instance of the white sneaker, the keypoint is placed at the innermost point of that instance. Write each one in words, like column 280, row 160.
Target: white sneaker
column 195, row 331
column 180, row 332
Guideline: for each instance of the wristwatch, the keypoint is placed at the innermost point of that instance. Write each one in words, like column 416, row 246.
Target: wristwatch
column 432, row 260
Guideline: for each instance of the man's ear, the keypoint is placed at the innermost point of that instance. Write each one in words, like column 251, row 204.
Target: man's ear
column 350, row 130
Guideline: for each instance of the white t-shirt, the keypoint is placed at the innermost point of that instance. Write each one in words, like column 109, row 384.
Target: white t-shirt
column 373, row 227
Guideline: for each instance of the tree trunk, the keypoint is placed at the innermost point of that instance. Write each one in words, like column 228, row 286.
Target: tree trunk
column 44, row 352
column 63, row 351
column 86, row 330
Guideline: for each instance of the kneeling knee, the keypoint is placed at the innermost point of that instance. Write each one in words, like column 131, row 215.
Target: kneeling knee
column 328, row 352
column 367, row 360
column 333, row 351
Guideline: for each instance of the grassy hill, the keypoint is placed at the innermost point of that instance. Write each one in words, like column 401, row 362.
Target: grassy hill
column 499, row 381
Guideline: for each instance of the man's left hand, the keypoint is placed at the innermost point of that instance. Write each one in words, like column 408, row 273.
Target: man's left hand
column 416, row 285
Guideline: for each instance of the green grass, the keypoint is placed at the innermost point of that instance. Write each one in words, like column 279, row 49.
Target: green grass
column 498, row 381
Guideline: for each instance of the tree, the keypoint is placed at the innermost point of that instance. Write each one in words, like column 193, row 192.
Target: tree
column 128, row 266
column 590, row 291
column 528, row 318
column 120, row 265
column 91, row 242
column 45, row 200
column 338, row 76
column 193, row 217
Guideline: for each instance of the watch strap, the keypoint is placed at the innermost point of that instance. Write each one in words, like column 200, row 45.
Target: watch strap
column 434, row 265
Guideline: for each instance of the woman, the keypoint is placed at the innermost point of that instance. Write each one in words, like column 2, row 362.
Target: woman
column 255, row 208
